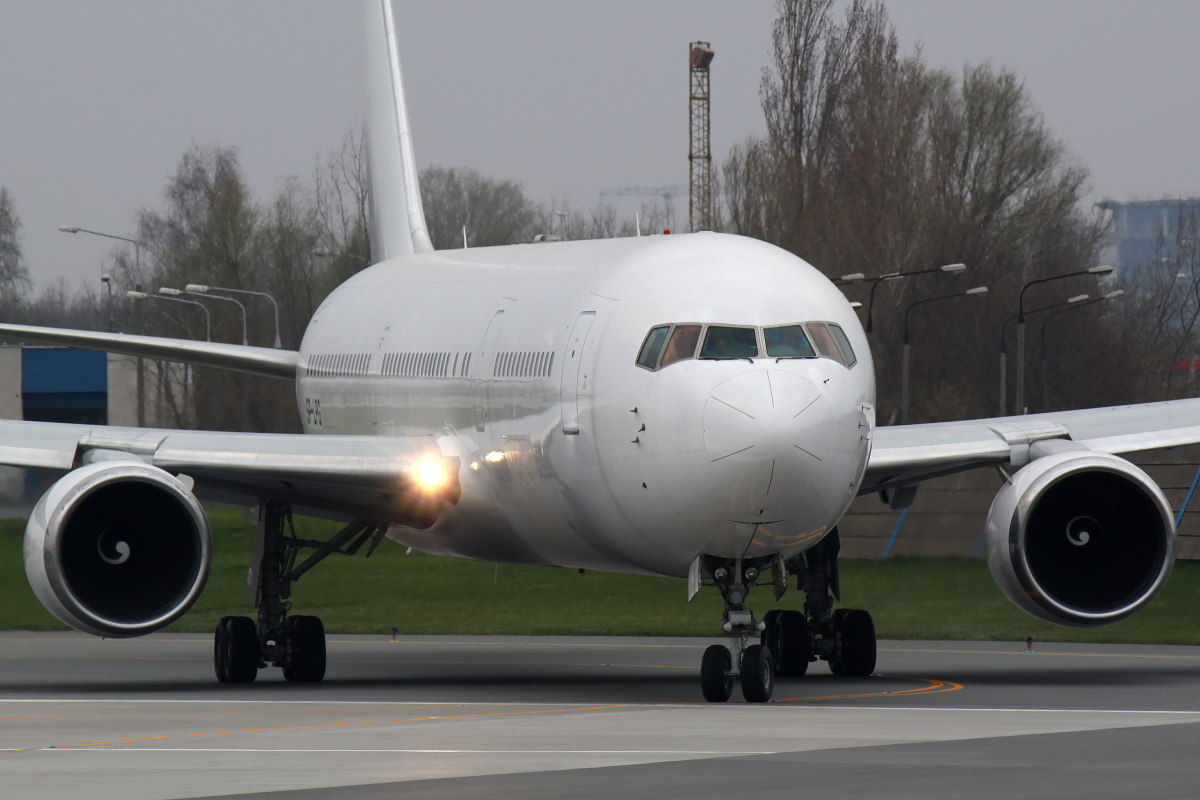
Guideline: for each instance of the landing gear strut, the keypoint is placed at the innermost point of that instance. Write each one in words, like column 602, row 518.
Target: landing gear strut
column 753, row 664
column 844, row 637
column 294, row 643
column 788, row 640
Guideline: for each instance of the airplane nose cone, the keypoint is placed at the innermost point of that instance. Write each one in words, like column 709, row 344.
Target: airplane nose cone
column 763, row 435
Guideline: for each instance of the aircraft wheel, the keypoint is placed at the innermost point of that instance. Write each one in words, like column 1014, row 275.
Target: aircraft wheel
column 221, row 650
column 794, row 649
column 758, row 674
column 856, row 636
column 241, row 650
column 716, row 684
column 306, row 649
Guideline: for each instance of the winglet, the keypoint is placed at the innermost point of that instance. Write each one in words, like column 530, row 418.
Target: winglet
column 397, row 218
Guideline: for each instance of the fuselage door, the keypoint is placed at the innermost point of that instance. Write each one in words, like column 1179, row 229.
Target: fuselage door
column 481, row 372
column 575, row 380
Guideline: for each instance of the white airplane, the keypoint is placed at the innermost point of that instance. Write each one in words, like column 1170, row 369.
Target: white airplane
column 698, row 406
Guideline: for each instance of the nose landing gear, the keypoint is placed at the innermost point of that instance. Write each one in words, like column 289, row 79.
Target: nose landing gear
column 753, row 664
column 788, row 640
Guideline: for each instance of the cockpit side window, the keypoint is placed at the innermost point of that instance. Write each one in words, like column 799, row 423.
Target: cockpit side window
column 721, row 341
column 843, row 342
column 648, row 355
column 788, row 341
column 826, row 345
column 682, row 344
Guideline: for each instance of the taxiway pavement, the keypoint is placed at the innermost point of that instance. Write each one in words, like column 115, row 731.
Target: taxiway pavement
column 559, row 717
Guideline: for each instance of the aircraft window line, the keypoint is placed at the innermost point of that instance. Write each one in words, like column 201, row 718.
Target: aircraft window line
column 668, row 344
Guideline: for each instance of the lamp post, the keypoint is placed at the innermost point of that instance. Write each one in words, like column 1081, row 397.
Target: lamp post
column 1079, row 298
column 895, row 276
column 106, row 279
column 200, row 288
column 978, row 290
column 137, row 320
column 1020, row 409
column 207, row 315
column 1045, row 381
column 177, row 292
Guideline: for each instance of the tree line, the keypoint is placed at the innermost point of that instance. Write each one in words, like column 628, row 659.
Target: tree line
column 871, row 162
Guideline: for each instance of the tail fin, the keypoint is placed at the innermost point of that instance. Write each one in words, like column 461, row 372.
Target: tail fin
column 397, row 219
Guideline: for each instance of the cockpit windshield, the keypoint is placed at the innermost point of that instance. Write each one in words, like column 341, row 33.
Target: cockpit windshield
column 727, row 342
column 682, row 344
column 788, row 341
column 674, row 342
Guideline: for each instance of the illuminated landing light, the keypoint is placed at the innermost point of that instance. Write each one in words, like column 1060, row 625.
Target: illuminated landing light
column 494, row 457
column 432, row 474
column 475, row 465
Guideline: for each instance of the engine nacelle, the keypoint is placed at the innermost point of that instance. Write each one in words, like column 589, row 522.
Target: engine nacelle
column 118, row 548
column 1080, row 538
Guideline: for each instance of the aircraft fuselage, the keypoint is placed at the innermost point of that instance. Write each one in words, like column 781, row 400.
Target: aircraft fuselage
column 522, row 361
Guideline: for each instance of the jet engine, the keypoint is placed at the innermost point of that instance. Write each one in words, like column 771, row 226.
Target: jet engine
column 118, row 548
column 1080, row 538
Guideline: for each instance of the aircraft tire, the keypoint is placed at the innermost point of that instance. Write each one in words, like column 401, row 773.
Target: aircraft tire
column 241, row 650
column 221, row 650
column 794, row 645
column 856, row 634
column 758, row 674
column 715, row 682
column 306, row 649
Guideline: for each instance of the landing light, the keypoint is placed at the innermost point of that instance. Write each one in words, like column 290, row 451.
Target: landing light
column 494, row 457
column 432, row 474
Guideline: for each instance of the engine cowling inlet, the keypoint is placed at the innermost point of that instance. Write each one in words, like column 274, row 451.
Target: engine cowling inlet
column 117, row 549
column 1080, row 538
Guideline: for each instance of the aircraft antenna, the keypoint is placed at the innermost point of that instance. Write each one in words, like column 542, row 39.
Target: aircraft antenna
column 700, row 55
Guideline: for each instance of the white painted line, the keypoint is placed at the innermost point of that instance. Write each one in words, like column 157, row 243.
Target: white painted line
column 414, row 752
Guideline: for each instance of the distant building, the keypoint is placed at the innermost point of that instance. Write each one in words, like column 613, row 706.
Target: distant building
column 1136, row 228
column 64, row 384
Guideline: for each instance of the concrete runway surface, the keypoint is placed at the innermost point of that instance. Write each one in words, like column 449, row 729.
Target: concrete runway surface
column 557, row 717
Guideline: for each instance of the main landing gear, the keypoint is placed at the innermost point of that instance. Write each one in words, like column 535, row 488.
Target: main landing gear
column 788, row 640
column 295, row 643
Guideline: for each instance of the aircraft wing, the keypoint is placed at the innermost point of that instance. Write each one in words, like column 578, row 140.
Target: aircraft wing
column 340, row 476
column 904, row 455
column 241, row 358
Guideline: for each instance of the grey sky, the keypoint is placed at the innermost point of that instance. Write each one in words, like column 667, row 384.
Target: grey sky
column 99, row 100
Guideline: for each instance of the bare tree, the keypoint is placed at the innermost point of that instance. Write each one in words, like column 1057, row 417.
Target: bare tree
column 874, row 163
column 492, row 211
column 14, row 275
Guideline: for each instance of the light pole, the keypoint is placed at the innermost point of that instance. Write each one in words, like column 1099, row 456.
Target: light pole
column 106, row 279
column 177, row 292
column 199, row 288
column 1079, row 298
column 207, row 315
column 978, row 290
column 895, row 276
column 137, row 319
column 1020, row 409
column 1045, row 381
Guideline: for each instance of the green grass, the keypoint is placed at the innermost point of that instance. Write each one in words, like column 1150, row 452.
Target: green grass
column 910, row 598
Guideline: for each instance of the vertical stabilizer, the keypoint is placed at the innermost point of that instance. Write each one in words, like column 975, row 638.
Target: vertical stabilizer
column 397, row 219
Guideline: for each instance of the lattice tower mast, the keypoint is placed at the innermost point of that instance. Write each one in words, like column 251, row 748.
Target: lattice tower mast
column 700, row 218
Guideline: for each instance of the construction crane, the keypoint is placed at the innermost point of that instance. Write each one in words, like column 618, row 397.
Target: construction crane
column 700, row 55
